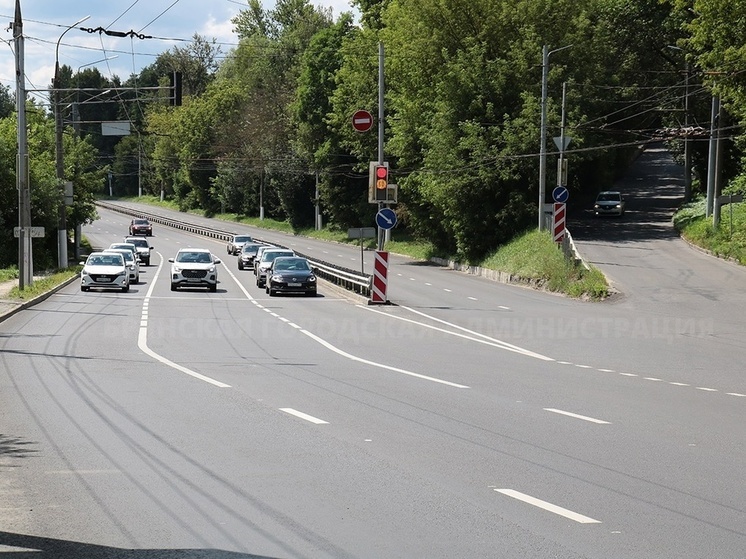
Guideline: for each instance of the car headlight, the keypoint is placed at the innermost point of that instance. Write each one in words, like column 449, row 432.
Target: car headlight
column 211, row 269
column 311, row 278
column 122, row 273
column 277, row 278
column 175, row 269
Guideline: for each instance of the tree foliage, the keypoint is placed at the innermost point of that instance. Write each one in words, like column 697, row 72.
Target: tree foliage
column 270, row 124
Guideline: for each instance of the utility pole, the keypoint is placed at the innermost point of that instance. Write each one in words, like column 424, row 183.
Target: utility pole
column 712, row 157
column 545, row 53
column 381, row 232
column 25, row 260
column 60, row 163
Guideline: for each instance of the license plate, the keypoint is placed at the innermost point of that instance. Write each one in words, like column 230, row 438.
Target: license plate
column 103, row 280
column 293, row 284
column 193, row 280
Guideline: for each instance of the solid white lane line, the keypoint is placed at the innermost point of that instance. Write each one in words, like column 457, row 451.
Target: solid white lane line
column 305, row 416
column 379, row 365
column 548, row 506
column 576, row 416
column 348, row 355
column 484, row 339
column 142, row 342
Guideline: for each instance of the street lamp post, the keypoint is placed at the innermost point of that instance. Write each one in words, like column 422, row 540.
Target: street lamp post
column 62, row 215
column 543, row 132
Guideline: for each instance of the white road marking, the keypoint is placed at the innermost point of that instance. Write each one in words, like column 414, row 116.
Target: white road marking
column 736, row 394
column 305, row 416
column 472, row 298
column 576, row 416
column 653, row 379
column 707, row 389
column 447, row 290
column 475, row 336
column 584, row 366
column 548, row 506
column 380, row 365
column 679, row 384
column 628, row 374
column 607, row 370
column 142, row 342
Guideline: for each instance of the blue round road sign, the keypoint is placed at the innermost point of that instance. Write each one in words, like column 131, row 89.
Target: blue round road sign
column 560, row 194
column 386, row 218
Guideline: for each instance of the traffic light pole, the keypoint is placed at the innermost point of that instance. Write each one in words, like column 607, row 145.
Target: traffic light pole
column 381, row 232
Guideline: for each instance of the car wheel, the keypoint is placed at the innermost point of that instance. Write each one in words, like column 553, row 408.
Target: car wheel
column 125, row 289
column 173, row 287
column 213, row 287
column 271, row 292
column 240, row 265
column 311, row 293
column 83, row 288
column 137, row 279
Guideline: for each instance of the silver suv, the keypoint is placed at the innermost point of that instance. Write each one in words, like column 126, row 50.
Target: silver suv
column 143, row 248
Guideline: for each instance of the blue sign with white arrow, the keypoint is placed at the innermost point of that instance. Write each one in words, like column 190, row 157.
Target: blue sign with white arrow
column 386, row 218
column 560, row 194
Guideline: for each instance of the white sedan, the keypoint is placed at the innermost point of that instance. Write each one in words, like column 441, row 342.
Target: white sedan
column 106, row 270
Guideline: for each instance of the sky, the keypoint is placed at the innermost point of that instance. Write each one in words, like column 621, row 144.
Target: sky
column 170, row 23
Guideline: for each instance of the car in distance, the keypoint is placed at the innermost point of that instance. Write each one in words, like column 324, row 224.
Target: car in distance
column 143, row 248
column 291, row 274
column 194, row 267
column 236, row 242
column 141, row 226
column 609, row 202
column 130, row 261
column 265, row 262
column 105, row 270
column 258, row 256
column 247, row 255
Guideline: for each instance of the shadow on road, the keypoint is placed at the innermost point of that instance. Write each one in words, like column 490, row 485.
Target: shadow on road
column 34, row 547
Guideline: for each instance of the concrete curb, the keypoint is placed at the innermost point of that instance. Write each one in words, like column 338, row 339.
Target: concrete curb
column 12, row 307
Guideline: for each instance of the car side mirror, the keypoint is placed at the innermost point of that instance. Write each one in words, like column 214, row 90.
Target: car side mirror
column 170, row 259
column 151, row 248
column 217, row 261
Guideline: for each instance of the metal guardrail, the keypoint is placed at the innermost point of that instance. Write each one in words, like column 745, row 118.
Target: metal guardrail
column 343, row 277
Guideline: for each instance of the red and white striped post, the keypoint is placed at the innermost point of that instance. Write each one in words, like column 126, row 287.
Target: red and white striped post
column 558, row 222
column 380, row 278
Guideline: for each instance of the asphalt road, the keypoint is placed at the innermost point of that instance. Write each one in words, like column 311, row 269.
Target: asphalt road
column 470, row 419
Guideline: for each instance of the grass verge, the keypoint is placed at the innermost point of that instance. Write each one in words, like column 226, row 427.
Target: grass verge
column 728, row 240
column 44, row 284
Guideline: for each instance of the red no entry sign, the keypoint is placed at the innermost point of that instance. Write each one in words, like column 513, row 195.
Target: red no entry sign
column 362, row 121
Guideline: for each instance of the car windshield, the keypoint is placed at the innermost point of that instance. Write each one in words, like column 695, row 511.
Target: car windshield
column 609, row 197
column 270, row 256
column 241, row 239
column 139, row 242
column 105, row 260
column 200, row 257
column 127, row 254
column 250, row 248
column 140, row 221
column 283, row 264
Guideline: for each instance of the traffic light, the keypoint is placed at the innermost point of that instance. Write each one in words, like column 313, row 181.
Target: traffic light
column 175, row 89
column 381, row 174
